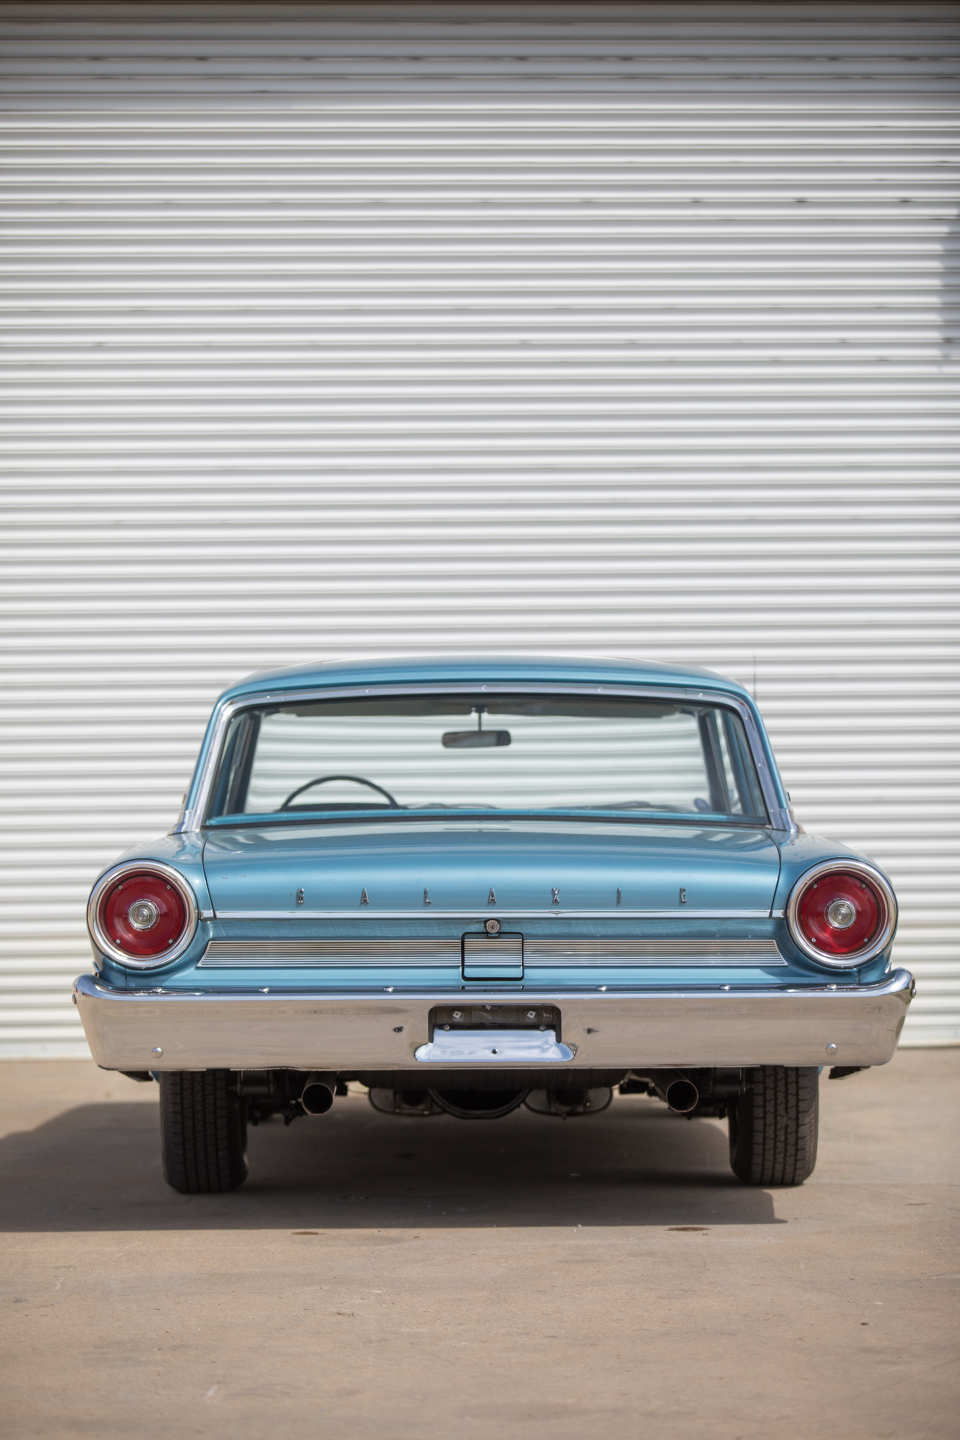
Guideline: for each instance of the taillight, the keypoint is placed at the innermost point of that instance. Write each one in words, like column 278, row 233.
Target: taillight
column 842, row 913
column 142, row 914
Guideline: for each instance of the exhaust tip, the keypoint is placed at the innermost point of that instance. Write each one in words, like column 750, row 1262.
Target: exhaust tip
column 316, row 1097
column 682, row 1096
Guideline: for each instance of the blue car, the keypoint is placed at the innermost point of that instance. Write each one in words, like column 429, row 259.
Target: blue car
column 476, row 884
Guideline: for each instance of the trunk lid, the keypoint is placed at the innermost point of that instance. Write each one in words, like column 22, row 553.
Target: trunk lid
column 424, row 870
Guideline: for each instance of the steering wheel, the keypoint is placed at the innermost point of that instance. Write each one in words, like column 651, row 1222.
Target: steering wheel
column 354, row 780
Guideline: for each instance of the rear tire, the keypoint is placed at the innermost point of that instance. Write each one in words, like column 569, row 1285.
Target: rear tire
column 203, row 1132
column 774, row 1126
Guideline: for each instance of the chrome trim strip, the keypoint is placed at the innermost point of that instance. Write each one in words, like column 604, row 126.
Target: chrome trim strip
column 351, row 1030
column 393, row 950
column 682, row 949
column 600, row 952
column 230, row 954
column 778, row 816
column 866, row 952
column 105, row 945
column 474, row 917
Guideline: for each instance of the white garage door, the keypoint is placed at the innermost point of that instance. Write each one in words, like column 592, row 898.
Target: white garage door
column 367, row 329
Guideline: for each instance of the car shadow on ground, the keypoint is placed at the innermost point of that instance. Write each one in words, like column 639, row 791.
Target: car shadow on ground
column 97, row 1167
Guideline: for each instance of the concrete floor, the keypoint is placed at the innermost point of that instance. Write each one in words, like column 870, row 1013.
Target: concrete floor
column 525, row 1277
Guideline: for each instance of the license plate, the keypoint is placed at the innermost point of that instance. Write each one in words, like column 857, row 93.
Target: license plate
column 494, row 1047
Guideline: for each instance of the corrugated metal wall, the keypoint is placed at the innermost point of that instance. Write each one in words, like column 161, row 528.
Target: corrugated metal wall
column 373, row 329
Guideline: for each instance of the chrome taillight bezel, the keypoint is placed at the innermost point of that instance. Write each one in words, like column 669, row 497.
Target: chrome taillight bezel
column 101, row 939
column 876, row 945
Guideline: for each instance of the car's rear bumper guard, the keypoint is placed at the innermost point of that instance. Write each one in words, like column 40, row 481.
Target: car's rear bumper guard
column 159, row 1029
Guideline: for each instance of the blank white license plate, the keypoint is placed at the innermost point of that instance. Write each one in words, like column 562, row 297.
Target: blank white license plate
column 494, row 1047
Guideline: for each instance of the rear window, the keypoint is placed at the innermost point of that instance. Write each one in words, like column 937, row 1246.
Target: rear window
column 479, row 752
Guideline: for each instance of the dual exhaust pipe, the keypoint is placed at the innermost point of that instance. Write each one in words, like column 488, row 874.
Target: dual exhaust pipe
column 319, row 1092
column 679, row 1091
column 317, row 1095
column 681, row 1095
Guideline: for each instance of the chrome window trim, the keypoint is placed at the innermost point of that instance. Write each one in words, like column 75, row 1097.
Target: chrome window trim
column 102, row 941
column 778, row 817
column 867, row 952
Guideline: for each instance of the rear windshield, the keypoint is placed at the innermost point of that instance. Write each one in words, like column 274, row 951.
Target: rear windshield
column 476, row 753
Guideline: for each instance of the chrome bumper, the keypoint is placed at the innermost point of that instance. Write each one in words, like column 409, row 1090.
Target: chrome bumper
column 356, row 1031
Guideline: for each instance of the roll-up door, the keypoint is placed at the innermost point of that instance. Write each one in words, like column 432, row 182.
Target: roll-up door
column 370, row 329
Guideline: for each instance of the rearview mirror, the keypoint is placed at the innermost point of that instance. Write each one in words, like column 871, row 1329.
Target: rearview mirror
column 474, row 739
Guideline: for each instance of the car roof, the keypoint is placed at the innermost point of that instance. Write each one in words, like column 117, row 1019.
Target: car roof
column 442, row 669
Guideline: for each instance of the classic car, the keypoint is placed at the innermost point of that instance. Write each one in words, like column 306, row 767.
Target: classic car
column 476, row 884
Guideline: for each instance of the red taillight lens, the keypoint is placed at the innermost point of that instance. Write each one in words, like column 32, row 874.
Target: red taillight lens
column 841, row 913
column 143, row 914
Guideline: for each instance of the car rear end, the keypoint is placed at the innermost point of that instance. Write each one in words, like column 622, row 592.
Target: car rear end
column 607, row 896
